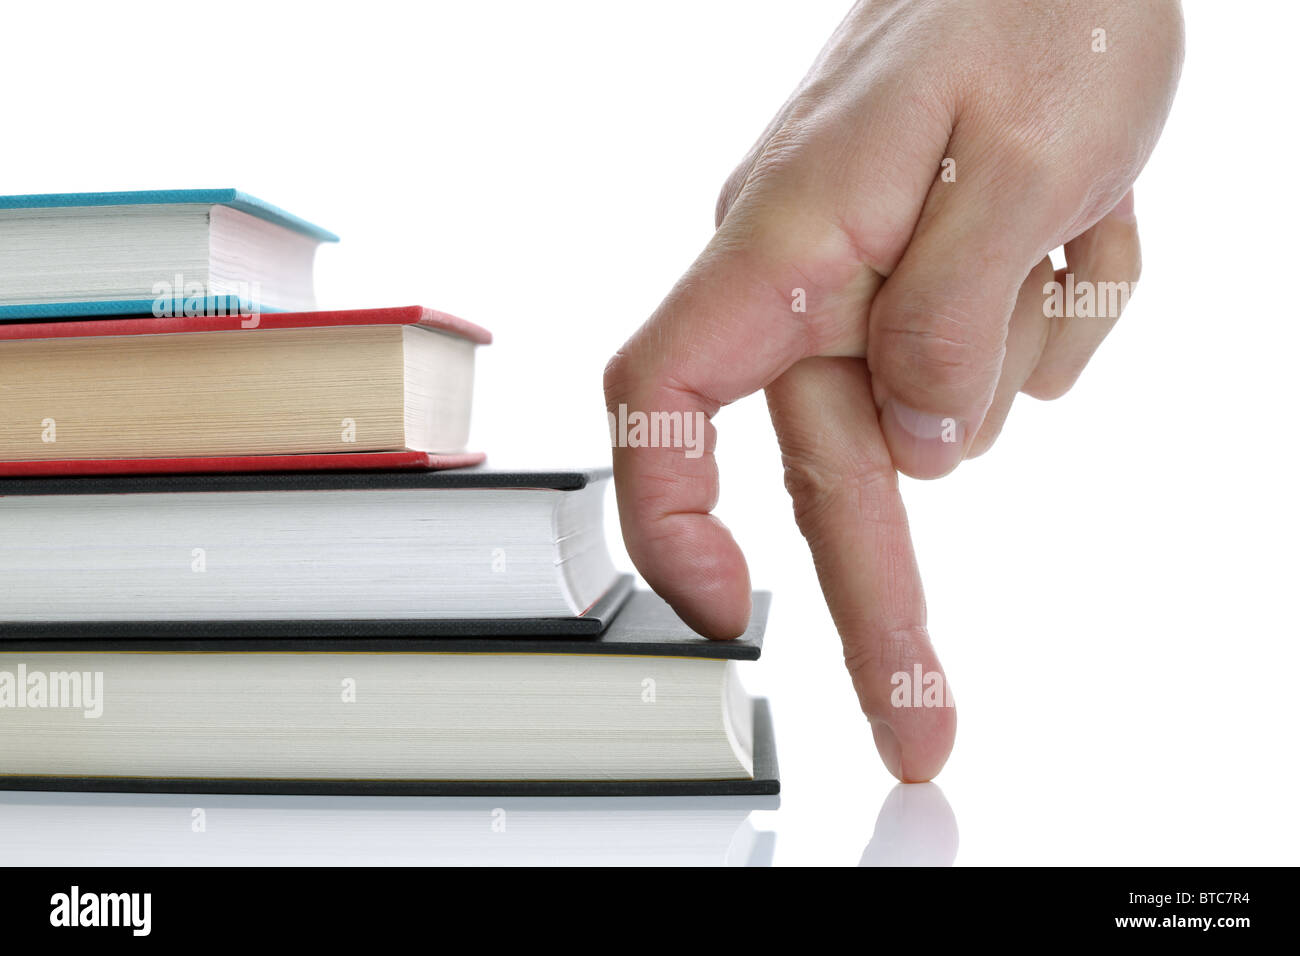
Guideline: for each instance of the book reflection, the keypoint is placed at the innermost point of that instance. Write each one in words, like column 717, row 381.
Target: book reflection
column 71, row 829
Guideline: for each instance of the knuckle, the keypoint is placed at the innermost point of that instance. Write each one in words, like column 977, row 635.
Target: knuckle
column 660, row 495
column 617, row 377
column 1025, row 156
column 808, row 488
column 871, row 658
column 937, row 341
column 862, row 658
column 730, row 191
column 819, row 490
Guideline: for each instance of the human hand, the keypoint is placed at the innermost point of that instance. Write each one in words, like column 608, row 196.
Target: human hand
column 906, row 196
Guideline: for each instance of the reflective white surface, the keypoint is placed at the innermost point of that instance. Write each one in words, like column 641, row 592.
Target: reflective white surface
column 149, row 829
column 915, row 827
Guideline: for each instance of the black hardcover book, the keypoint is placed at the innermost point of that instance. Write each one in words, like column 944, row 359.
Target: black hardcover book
column 315, row 554
column 645, row 708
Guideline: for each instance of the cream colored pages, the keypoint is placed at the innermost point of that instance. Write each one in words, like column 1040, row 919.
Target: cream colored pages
column 273, row 391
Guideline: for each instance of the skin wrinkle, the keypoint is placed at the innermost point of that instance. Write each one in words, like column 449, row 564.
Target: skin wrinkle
column 951, row 362
column 891, row 651
column 814, row 490
column 650, row 501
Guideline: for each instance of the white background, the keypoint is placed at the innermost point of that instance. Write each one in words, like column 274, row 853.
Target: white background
column 1112, row 589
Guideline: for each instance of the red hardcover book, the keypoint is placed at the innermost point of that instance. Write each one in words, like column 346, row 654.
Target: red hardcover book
column 338, row 390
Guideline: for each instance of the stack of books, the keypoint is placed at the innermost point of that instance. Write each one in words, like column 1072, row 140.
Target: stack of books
column 244, row 547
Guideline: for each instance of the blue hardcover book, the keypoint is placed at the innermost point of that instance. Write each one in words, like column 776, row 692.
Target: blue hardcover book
column 165, row 253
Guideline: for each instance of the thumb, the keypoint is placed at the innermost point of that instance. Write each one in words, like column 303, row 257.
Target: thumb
column 938, row 326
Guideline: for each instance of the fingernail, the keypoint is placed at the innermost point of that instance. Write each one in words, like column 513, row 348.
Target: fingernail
column 887, row 745
column 1123, row 210
column 925, row 445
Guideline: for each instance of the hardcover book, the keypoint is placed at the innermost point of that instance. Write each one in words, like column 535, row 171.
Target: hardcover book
column 327, row 554
column 156, row 252
column 646, row 708
column 131, row 396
